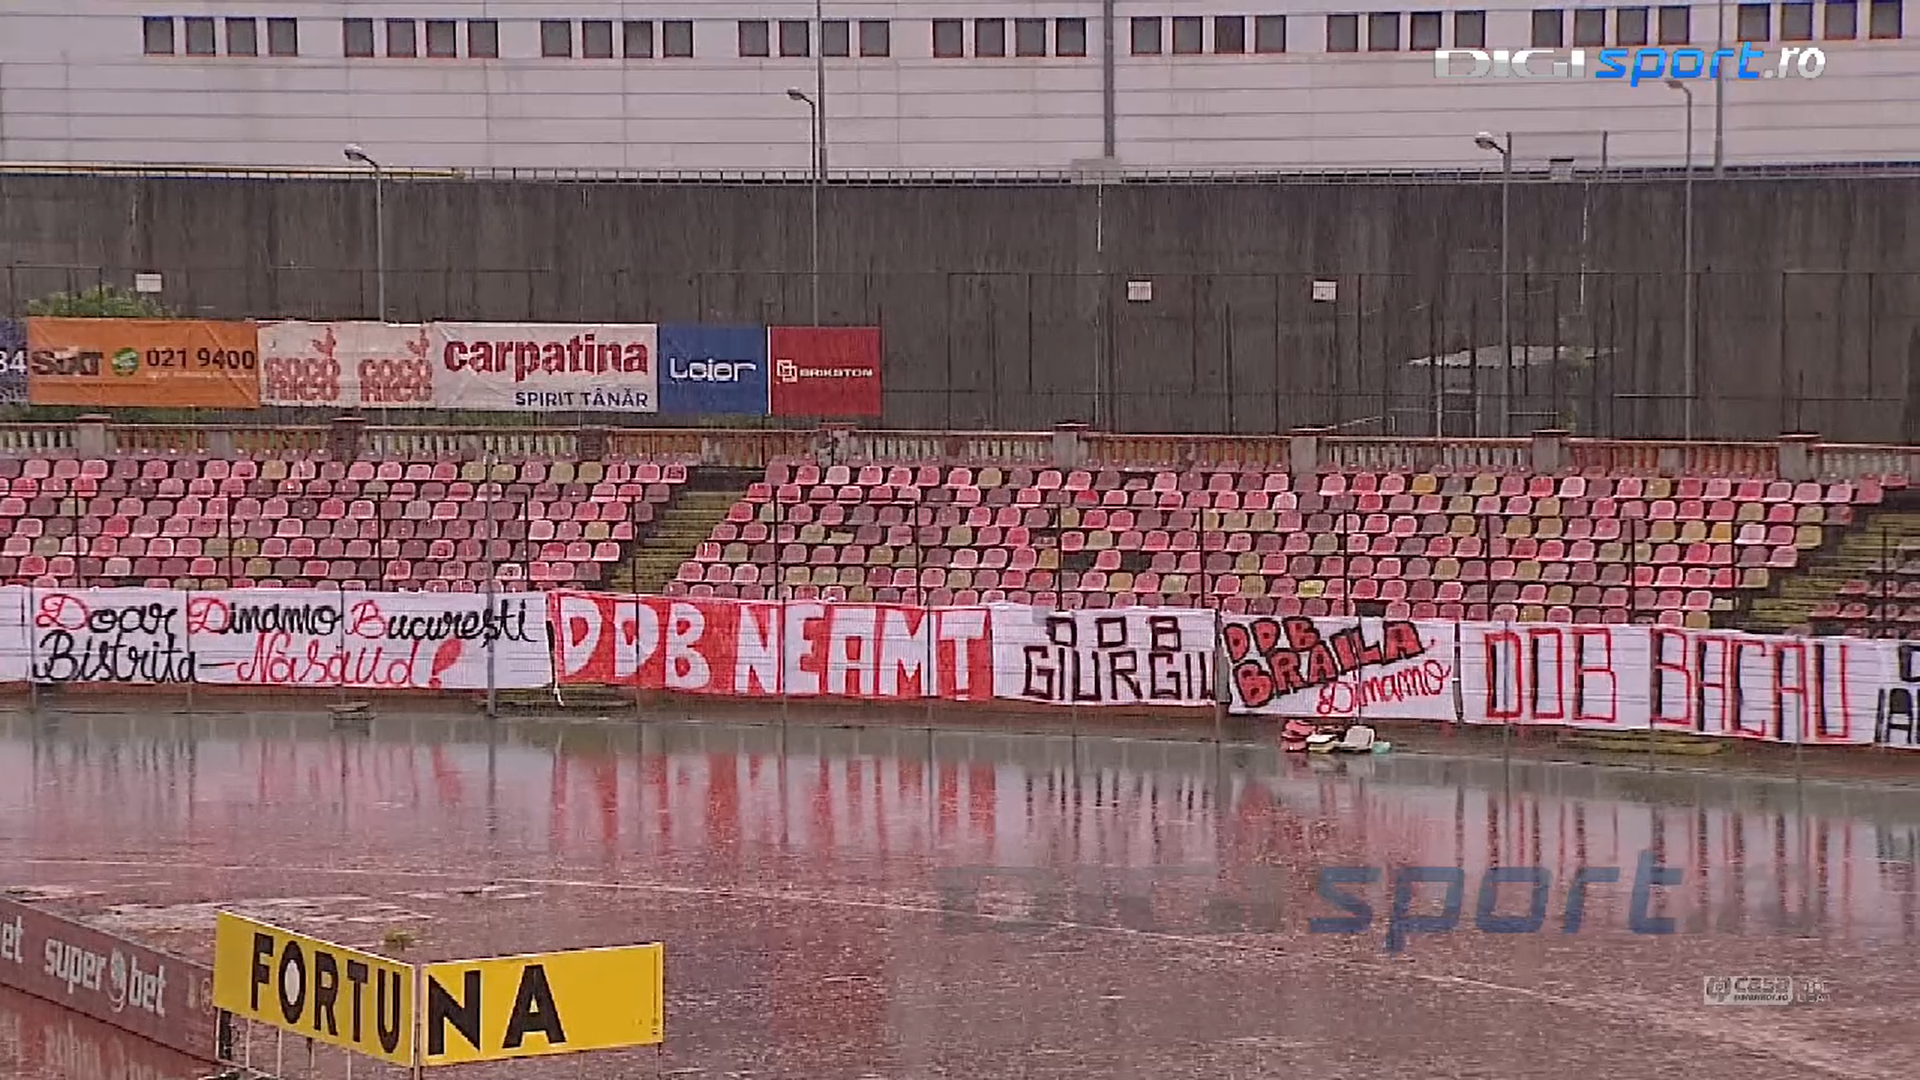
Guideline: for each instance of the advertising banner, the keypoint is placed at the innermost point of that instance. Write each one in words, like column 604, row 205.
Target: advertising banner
column 713, row 370
column 507, row 1007
column 826, row 371
column 329, row 993
column 738, row 648
column 143, row 363
column 544, row 367
column 110, row 978
column 345, row 364
column 1123, row 656
column 1339, row 668
column 374, row 641
column 13, row 362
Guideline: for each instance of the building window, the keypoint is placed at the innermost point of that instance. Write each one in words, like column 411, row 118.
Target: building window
column 1187, row 33
column 243, row 37
column 1383, row 31
column 949, row 38
column 556, row 37
column 1590, row 26
column 876, row 37
column 1548, row 26
column 1676, row 25
column 1754, row 23
column 1146, row 36
column 1423, row 31
column 676, row 38
column 1630, row 26
column 1883, row 19
column 156, row 36
column 400, row 41
column 1470, row 29
column 1343, row 33
column 357, row 37
column 483, row 39
column 796, row 38
column 1069, row 37
column 1030, row 37
column 1796, row 22
column 199, row 36
column 596, row 39
column 836, row 38
column 989, row 37
column 283, row 37
column 1269, row 33
column 1229, row 34
column 753, row 37
column 443, row 39
column 1841, row 22
column 636, row 40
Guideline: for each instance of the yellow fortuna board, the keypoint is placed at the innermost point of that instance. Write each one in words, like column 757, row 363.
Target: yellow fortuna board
column 543, row 1003
column 310, row 987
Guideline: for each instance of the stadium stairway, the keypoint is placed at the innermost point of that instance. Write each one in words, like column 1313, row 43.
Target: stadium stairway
column 681, row 529
column 1865, row 551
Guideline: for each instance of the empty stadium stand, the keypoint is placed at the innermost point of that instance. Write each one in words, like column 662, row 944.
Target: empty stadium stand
column 1575, row 548
column 1793, row 536
column 387, row 524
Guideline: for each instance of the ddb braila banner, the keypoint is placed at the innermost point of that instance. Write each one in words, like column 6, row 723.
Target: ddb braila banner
column 1831, row 691
column 530, row 368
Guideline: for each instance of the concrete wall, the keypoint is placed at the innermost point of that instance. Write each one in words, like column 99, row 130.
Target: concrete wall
column 1007, row 306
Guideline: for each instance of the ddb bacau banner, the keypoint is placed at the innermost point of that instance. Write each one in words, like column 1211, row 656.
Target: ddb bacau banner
column 713, row 370
column 345, row 364
column 143, row 363
column 13, row 362
column 545, row 367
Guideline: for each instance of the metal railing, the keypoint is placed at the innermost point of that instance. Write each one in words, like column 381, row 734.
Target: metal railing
column 1070, row 446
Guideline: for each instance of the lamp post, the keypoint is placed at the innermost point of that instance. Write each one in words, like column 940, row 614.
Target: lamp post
column 1719, row 91
column 355, row 154
column 819, row 178
column 1486, row 141
column 1691, row 361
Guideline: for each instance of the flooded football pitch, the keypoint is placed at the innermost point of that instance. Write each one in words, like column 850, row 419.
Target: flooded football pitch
column 907, row 903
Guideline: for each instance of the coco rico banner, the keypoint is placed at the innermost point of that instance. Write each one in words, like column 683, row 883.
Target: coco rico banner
column 345, row 365
column 527, row 367
column 150, row 363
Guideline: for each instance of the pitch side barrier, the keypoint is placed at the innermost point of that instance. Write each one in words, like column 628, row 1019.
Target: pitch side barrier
column 1828, row 691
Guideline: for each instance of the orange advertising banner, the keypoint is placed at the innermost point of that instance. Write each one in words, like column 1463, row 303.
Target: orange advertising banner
column 143, row 363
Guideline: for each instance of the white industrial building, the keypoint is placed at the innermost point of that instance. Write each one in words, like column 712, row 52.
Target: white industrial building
column 680, row 85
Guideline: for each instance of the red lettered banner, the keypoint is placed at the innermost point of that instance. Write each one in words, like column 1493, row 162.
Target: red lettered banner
column 824, row 370
column 737, row 648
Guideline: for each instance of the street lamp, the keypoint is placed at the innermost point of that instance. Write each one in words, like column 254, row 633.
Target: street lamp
column 1486, row 141
column 358, row 156
column 819, row 178
column 1691, row 362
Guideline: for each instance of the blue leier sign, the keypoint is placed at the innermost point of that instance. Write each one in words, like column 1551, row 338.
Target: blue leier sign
column 713, row 369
